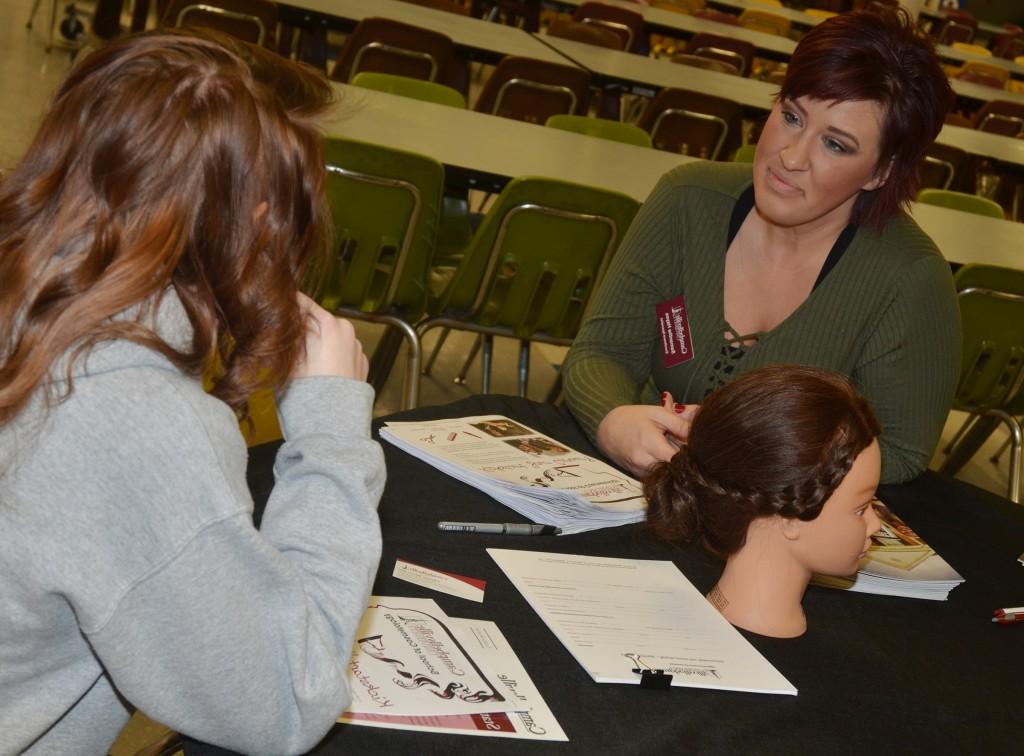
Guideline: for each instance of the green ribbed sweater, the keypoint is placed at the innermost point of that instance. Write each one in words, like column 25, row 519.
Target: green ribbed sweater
column 885, row 316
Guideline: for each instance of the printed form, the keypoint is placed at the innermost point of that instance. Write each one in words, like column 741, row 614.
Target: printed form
column 618, row 617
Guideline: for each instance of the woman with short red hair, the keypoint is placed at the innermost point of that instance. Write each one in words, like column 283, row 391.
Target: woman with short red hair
column 809, row 259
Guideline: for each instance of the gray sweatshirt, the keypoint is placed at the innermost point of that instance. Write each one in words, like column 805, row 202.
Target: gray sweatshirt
column 131, row 574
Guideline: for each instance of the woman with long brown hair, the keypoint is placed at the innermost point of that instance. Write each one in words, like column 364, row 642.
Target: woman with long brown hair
column 159, row 227
column 777, row 479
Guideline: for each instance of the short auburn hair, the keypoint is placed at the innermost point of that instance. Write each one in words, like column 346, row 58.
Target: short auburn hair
column 880, row 57
column 775, row 441
column 167, row 160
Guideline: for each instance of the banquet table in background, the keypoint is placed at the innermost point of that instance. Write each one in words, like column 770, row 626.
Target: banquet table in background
column 502, row 148
column 874, row 673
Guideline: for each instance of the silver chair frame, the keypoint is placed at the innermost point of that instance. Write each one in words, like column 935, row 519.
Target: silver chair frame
column 614, row 25
column 950, row 170
column 488, row 332
column 1013, row 388
column 741, row 62
column 950, row 24
column 531, row 84
column 383, row 46
column 698, row 117
column 261, row 29
column 1000, row 117
column 411, row 384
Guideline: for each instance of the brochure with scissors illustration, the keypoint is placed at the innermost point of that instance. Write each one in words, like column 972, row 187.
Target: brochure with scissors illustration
column 529, row 472
column 415, row 668
column 898, row 563
column 633, row 620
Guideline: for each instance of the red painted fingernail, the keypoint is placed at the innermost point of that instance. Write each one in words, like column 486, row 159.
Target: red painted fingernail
column 679, row 408
column 664, row 396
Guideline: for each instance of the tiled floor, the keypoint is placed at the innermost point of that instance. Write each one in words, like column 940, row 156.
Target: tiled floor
column 28, row 76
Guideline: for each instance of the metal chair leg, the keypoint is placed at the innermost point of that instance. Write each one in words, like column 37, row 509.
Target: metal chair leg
column 968, row 422
column 488, row 356
column 994, row 459
column 460, row 379
column 434, row 352
column 1017, row 439
column 524, row 367
column 969, row 444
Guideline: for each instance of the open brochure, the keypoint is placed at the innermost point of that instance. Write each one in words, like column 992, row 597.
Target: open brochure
column 898, row 563
column 529, row 472
column 637, row 621
column 415, row 668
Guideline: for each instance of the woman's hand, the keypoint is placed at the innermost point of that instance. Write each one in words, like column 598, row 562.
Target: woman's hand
column 331, row 345
column 636, row 436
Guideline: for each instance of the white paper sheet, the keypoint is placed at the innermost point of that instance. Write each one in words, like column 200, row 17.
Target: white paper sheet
column 532, row 721
column 407, row 660
column 617, row 615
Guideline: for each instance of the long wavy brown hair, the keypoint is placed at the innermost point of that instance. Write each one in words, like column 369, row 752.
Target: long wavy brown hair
column 776, row 441
column 167, row 160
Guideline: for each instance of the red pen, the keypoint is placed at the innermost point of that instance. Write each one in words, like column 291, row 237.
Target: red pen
column 1010, row 610
column 1010, row 619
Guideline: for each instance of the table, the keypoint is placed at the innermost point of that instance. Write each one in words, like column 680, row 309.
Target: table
column 501, row 148
column 484, row 41
column 644, row 75
column 951, row 53
column 982, row 143
column 985, row 29
column 874, row 673
column 660, row 21
column 491, row 150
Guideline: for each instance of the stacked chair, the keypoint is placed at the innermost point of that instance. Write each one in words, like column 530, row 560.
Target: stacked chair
column 385, row 205
column 602, row 128
column 693, row 123
column 942, row 166
column 589, row 34
column 387, row 46
column 736, row 52
column 968, row 203
column 627, row 24
column 403, row 86
column 531, row 267
column 253, row 21
column 534, row 90
column 1001, row 117
column 765, row 21
column 958, row 26
column 992, row 368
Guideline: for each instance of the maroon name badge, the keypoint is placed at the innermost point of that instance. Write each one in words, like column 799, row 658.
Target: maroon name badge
column 676, row 346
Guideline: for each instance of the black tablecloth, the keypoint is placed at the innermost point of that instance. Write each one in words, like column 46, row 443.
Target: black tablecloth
column 874, row 673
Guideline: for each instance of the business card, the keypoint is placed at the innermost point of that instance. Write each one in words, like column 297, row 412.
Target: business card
column 438, row 580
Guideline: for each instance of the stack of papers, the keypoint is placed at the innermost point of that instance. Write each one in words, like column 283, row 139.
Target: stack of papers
column 529, row 472
column 415, row 668
column 898, row 563
column 635, row 620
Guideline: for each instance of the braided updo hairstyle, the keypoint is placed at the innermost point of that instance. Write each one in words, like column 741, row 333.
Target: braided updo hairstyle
column 775, row 441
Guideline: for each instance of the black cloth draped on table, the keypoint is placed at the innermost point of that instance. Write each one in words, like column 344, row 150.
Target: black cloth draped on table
column 874, row 673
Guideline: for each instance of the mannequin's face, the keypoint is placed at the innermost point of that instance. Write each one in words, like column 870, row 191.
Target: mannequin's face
column 835, row 541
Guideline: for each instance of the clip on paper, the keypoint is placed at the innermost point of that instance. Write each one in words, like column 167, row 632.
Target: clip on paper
column 654, row 679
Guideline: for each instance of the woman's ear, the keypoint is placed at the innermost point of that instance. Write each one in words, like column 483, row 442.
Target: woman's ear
column 880, row 177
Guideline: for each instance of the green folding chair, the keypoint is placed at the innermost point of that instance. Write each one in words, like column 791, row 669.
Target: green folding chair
column 385, row 205
column 531, row 267
column 602, row 128
column 404, row 86
column 745, row 153
column 969, row 203
column 992, row 369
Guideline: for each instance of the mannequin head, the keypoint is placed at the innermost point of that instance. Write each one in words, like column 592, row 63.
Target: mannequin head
column 776, row 477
